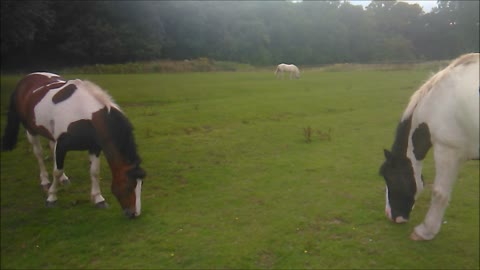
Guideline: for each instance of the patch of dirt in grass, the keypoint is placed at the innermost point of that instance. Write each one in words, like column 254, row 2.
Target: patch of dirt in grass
column 322, row 225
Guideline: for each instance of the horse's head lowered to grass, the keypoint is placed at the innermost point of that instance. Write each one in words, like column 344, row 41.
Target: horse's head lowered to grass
column 400, row 187
column 77, row 115
column 442, row 113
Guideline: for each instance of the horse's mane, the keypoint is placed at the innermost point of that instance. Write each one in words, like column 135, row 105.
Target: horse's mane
column 117, row 123
column 463, row 60
column 122, row 130
column 100, row 94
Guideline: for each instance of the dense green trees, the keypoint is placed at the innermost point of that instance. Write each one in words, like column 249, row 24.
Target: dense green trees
column 57, row 33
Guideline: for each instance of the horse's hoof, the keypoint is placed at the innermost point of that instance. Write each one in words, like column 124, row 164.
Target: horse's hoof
column 49, row 204
column 415, row 237
column 101, row 205
column 46, row 187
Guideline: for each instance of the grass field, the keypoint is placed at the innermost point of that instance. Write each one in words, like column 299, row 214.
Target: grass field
column 233, row 183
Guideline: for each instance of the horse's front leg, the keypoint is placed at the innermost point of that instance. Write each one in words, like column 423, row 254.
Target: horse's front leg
column 447, row 164
column 38, row 151
column 63, row 178
column 96, row 194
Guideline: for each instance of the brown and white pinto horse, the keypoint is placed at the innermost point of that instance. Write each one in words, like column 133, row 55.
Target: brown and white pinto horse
column 77, row 115
column 442, row 114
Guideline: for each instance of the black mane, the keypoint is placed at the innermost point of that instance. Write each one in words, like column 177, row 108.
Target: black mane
column 122, row 135
column 399, row 147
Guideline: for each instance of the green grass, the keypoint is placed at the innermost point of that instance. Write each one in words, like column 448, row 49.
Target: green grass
column 232, row 182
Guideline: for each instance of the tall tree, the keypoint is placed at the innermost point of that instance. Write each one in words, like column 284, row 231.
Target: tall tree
column 22, row 24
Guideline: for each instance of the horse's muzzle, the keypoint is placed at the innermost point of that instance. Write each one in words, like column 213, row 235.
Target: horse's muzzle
column 129, row 213
column 398, row 219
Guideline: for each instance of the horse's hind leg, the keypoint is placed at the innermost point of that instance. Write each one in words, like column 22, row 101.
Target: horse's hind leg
column 59, row 154
column 95, row 194
column 38, row 151
column 63, row 178
column 446, row 171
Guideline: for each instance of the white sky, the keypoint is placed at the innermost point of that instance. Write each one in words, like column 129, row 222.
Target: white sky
column 427, row 5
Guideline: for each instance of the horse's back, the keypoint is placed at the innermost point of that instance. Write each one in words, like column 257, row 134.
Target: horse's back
column 65, row 105
column 451, row 107
column 47, row 104
column 29, row 86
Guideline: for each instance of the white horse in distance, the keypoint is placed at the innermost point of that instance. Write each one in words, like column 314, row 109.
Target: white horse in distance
column 292, row 69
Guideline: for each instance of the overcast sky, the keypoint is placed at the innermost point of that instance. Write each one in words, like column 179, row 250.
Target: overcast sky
column 427, row 5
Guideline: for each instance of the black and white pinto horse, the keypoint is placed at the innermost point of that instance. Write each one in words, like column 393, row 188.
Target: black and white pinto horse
column 77, row 115
column 291, row 69
column 443, row 113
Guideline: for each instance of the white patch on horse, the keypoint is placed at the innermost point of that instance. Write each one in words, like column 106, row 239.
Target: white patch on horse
column 138, row 195
column 81, row 105
column 46, row 74
column 461, row 61
column 47, row 85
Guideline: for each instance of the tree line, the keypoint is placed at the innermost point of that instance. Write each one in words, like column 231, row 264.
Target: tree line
column 39, row 34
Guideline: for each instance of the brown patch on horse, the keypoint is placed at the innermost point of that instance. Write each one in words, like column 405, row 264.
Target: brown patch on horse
column 421, row 141
column 26, row 109
column 64, row 93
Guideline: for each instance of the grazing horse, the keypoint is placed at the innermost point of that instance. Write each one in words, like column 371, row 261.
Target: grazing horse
column 292, row 69
column 443, row 113
column 77, row 115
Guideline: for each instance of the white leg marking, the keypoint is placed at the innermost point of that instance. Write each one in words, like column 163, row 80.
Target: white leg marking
column 138, row 195
column 95, row 194
column 38, row 151
column 52, row 191
column 388, row 210
column 447, row 164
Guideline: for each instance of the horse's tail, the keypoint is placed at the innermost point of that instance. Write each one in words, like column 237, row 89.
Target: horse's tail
column 9, row 140
column 276, row 70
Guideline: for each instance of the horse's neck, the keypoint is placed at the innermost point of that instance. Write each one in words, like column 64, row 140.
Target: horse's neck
column 115, row 138
column 117, row 162
column 400, row 145
column 403, row 148
column 417, row 166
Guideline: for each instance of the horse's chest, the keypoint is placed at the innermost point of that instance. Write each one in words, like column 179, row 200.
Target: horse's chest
column 61, row 107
